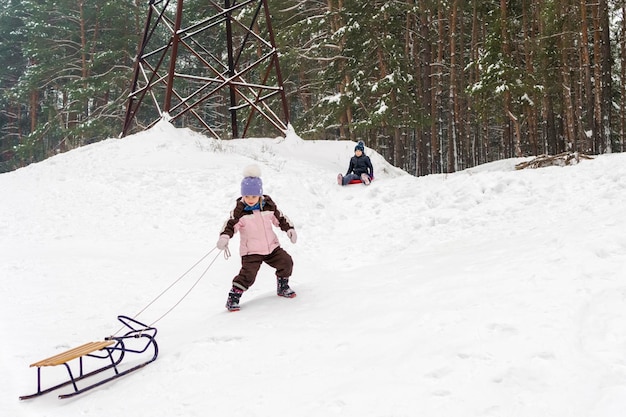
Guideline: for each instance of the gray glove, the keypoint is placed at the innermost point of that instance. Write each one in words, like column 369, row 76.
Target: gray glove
column 222, row 242
column 293, row 236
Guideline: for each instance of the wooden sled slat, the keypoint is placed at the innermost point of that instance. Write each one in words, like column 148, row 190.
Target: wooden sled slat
column 77, row 352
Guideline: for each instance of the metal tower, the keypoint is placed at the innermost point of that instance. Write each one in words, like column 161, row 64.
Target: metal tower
column 202, row 72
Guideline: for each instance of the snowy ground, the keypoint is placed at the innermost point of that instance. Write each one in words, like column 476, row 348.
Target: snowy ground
column 489, row 292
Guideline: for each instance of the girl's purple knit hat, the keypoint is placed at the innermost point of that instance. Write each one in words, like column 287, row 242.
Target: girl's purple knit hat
column 251, row 183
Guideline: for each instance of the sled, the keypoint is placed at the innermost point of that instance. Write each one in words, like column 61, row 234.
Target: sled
column 354, row 181
column 112, row 351
column 358, row 181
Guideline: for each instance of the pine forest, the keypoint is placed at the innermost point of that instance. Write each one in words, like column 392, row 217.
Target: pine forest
column 433, row 86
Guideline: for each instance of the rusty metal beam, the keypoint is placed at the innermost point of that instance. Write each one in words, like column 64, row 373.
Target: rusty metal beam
column 201, row 73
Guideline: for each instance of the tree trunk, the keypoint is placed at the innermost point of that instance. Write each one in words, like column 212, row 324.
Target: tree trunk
column 606, row 77
column 437, row 92
column 598, row 138
column 426, row 70
column 479, row 137
column 33, row 109
column 506, row 51
column 622, row 111
column 345, row 117
column 587, row 92
column 568, row 104
column 453, row 158
column 528, row 14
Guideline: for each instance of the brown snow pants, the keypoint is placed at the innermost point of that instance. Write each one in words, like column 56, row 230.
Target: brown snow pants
column 279, row 259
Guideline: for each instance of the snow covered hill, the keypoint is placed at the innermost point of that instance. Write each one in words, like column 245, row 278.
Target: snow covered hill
column 488, row 292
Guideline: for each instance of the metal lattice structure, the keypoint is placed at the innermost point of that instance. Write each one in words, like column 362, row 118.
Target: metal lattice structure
column 218, row 74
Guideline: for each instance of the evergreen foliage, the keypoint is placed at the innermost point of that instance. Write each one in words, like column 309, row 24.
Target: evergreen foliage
column 434, row 86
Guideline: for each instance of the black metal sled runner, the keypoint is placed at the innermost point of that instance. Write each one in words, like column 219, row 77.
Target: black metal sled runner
column 112, row 351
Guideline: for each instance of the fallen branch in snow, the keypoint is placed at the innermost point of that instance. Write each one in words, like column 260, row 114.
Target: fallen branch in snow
column 562, row 159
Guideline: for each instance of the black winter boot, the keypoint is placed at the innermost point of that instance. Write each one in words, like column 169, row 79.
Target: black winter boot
column 283, row 289
column 232, row 304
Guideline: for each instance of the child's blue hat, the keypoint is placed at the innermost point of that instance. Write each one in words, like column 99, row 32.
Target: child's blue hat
column 359, row 146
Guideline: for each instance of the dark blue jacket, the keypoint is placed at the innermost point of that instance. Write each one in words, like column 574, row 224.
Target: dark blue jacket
column 361, row 165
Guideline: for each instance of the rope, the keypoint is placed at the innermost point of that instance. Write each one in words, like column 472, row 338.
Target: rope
column 188, row 291
column 226, row 256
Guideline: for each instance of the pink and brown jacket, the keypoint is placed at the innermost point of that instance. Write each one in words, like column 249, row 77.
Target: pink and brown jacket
column 255, row 226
